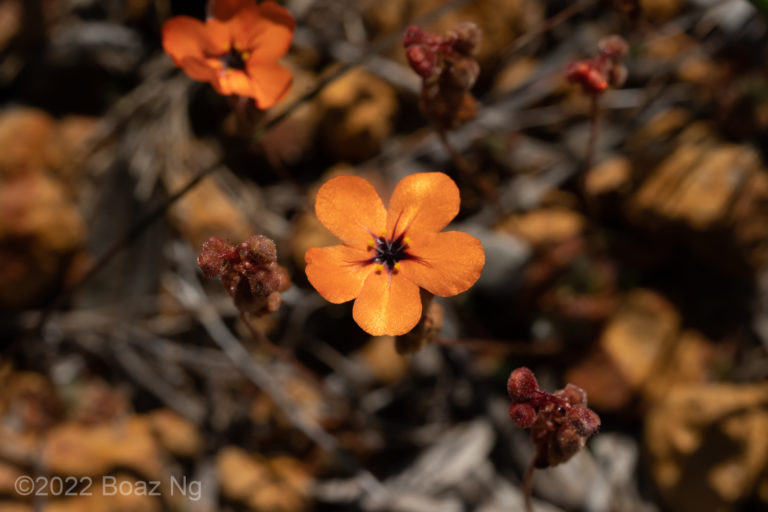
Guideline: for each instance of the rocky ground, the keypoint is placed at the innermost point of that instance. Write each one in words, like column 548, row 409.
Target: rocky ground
column 640, row 278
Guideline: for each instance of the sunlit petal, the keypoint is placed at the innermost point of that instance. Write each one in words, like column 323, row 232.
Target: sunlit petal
column 351, row 209
column 446, row 263
column 265, row 30
column 423, row 203
column 269, row 82
column 387, row 305
column 336, row 273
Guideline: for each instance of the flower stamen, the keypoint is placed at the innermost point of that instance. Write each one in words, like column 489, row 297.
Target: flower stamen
column 234, row 59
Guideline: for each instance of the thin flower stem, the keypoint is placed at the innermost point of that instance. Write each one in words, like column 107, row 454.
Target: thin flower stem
column 466, row 171
column 459, row 161
column 594, row 114
column 528, row 486
column 594, row 122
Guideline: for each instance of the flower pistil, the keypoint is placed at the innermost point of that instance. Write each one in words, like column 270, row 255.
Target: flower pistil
column 234, row 59
column 388, row 252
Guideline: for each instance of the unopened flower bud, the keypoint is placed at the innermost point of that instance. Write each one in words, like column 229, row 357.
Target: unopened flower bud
column 212, row 259
column 413, row 35
column 585, row 74
column 422, row 60
column 572, row 394
column 467, row 38
column 258, row 250
column 521, row 385
column 583, row 420
column 522, row 414
column 597, row 74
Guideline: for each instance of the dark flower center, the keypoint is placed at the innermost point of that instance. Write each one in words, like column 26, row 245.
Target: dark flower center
column 233, row 60
column 389, row 251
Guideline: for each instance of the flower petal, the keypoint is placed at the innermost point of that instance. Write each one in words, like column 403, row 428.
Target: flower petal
column 234, row 81
column 387, row 305
column 422, row 203
column 448, row 263
column 270, row 83
column 351, row 209
column 334, row 272
column 204, row 70
column 184, row 37
column 265, row 30
column 220, row 40
column 225, row 9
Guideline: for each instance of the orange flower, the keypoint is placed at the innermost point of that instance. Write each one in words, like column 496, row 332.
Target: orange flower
column 388, row 254
column 237, row 50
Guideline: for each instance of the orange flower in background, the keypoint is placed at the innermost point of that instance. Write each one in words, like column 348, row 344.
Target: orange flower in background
column 389, row 253
column 236, row 50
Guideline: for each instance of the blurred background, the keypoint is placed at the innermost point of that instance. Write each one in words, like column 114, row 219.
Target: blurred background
column 641, row 279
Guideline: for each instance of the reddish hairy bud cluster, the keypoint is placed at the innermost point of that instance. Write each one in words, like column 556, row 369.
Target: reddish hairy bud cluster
column 605, row 70
column 249, row 271
column 560, row 423
column 448, row 70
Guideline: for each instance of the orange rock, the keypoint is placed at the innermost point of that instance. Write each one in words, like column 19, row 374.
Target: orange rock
column 118, row 493
column 11, row 14
column 240, row 474
column 689, row 361
column 274, row 485
column 78, row 450
column 206, row 211
column 8, row 476
column 708, row 445
column 611, row 176
column 545, row 226
column 24, row 133
column 178, row 436
column 639, row 334
column 660, row 10
column 357, row 115
column 40, row 229
column 10, row 506
column 696, row 185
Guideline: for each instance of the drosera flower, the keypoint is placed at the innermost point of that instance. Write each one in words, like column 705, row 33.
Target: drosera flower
column 236, row 50
column 388, row 254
